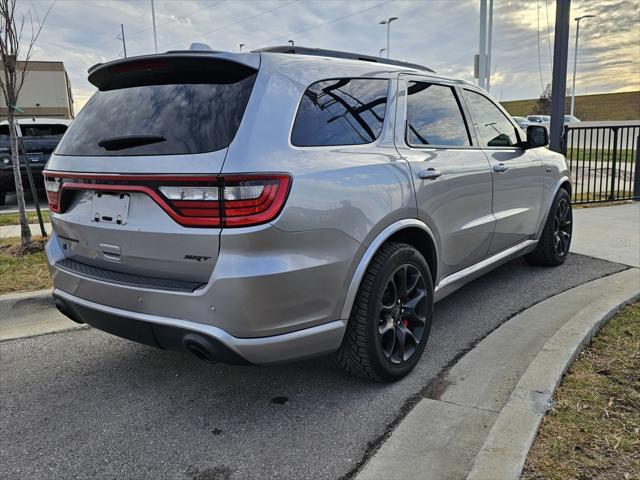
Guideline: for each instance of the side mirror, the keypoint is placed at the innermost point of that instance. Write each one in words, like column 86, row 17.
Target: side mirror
column 537, row 136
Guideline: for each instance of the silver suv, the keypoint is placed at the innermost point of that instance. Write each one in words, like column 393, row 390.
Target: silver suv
column 280, row 204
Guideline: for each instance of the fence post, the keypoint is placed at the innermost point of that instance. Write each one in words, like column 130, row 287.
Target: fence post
column 636, row 171
column 613, row 165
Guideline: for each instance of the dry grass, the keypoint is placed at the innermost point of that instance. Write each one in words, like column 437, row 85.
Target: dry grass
column 607, row 106
column 23, row 269
column 593, row 430
column 14, row 219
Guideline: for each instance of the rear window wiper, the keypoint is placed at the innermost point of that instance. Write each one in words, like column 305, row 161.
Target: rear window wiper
column 128, row 141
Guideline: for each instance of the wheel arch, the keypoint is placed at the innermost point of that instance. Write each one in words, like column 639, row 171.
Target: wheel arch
column 564, row 183
column 411, row 231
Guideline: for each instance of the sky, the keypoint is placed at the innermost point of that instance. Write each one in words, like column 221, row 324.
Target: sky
column 441, row 34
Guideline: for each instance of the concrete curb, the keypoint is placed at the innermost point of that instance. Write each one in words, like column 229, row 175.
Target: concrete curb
column 505, row 450
column 481, row 418
column 21, row 303
column 26, row 314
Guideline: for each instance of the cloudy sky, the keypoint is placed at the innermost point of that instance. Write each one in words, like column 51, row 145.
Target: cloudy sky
column 442, row 34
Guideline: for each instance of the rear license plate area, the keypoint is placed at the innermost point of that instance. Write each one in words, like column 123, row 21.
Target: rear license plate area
column 110, row 208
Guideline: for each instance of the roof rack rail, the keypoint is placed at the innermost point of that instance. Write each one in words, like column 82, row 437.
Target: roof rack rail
column 320, row 52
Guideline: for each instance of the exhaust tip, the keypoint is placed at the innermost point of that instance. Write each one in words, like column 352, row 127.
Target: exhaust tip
column 199, row 347
column 62, row 308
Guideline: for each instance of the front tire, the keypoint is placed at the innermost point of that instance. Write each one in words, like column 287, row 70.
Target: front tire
column 391, row 317
column 553, row 247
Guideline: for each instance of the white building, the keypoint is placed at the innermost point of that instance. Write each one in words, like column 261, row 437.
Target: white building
column 46, row 92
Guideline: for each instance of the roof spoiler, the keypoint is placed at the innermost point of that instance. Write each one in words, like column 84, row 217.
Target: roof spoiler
column 172, row 67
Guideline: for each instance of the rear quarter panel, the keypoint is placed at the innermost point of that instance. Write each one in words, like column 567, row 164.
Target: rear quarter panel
column 355, row 191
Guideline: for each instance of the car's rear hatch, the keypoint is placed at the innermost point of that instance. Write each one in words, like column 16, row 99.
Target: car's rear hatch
column 134, row 179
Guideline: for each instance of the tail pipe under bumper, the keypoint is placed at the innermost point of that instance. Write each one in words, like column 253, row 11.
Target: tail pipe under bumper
column 207, row 342
column 165, row 337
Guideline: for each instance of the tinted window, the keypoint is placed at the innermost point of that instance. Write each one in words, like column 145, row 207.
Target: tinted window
column 191, row 117
column 340, row 112
column 40, row 130
column 434, row 116
column 43, row 130
column 493, row 127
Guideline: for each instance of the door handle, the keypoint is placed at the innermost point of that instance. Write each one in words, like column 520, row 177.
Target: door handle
column 430, row 174
column 500, row 168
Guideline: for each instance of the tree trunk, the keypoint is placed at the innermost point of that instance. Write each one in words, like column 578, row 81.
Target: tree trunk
column 25, row 231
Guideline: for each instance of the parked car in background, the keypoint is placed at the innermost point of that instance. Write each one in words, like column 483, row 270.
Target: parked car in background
column 539, row 118
column 274, row 205
column 571, row 119
column 522, row 122
column 40, row 136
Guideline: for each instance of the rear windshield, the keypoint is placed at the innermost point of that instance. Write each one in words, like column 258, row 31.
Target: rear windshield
column 196, row 116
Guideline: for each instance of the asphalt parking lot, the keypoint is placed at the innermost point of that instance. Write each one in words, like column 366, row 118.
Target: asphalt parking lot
column 84, row 404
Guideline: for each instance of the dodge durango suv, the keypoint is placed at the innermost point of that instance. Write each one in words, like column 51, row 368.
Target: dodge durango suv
column 268, row 206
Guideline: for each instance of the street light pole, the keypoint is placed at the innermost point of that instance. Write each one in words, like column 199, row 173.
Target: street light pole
column 387, row 22
column 241, row 45
column 559, row 78
column 482, row 58
column 575, row 60
column 155, row 35
column 382, row 50
column 124, row 41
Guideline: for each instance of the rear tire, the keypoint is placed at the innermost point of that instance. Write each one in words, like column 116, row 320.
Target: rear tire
column 391, row 316
column 553, row 247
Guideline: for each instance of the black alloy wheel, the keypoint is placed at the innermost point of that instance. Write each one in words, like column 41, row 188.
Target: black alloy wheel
column 403, row 313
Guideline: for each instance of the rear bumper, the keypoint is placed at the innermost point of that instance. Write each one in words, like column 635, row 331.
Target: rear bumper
column 206, row 341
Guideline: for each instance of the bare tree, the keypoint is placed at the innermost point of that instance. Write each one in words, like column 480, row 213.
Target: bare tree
column 11, row 81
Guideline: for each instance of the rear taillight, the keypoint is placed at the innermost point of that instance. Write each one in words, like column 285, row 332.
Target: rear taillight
column 52, row 187
column 192, row 201
column 238, row 200
column 253, row 199
column 201, row 204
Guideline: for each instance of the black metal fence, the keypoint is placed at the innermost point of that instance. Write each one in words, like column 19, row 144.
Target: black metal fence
column 604, row 161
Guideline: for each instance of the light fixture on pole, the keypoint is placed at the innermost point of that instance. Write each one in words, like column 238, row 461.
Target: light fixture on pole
column 387, row 22
column 291, row 42
column 381, row 51
column 575, row 60
column 241, row 45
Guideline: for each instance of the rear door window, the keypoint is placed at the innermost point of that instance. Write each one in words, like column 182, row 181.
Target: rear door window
column 434, row 116
column 345, row 111
column 184, row 112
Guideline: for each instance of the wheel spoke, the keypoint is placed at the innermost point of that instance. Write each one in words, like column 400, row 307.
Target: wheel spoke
column 400, row 280
column 400, row 341
column 389, row 297
column 388, row 342
column 411, row 306
column 413, row 279
column 385, row 325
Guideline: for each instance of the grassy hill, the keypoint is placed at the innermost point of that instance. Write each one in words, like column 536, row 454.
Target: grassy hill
column 605, row 106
